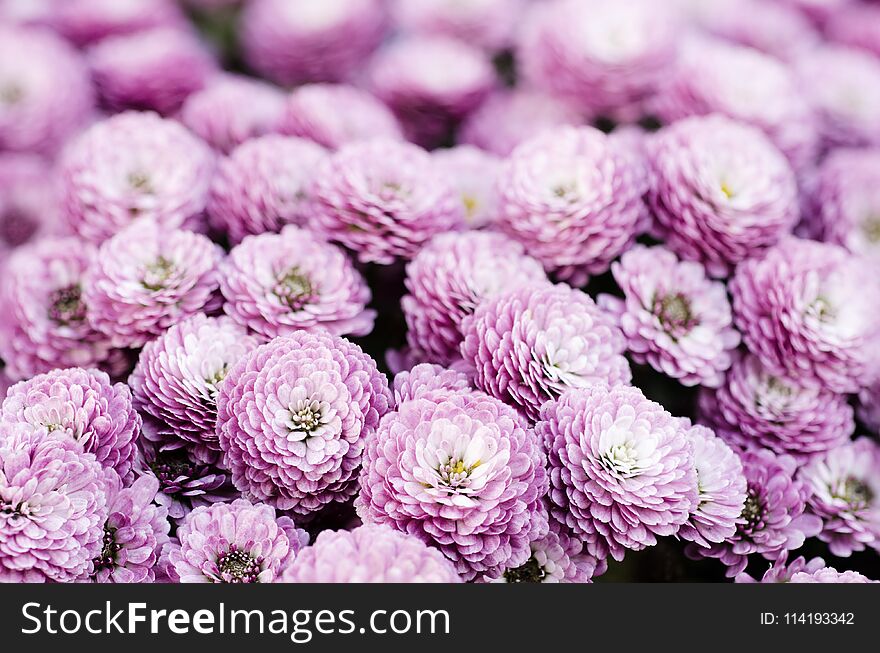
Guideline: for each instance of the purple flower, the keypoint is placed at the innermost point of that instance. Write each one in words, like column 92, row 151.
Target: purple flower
column 383, row 199
column 451, row 277
column 369, row 554
column 530, row 345
column 780, row 572
column 85, row 406
column 773, row 519
column 830, row 575
column 134, row 533
column 45, row 91
column 334, row 115
column 489, row 24
column 427, row 380
column 154, row 69
column 177, row 377
column 673, row 317
column 88, row 21
column 431, row 82
column 464, row 473
column 574, row 199
column 808, row 310
column 236, row 542
column 52, row 505
column 858, row 26
column 29, row 207
column 149, row 277
column 473, row 173
column 278, row 284
column 720, row 191
column 818, row 11
column 263, row 185
column 294, row 416
column 755, row 408
column 134, row 165
column 621, row 468
column 845, row 493
column 44, row 322
column 296, row 41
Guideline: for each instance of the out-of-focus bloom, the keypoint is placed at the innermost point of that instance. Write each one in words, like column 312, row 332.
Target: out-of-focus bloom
column 369, row 554
column 574, row 199
column 809, row 310
column 845, row 493
column 464, row 473
column 720, row 191
column 721, row 489
column 294, row 416
column 819, row 11
column 85, row 406
column 531, row 344
column 858, row 27
column 608, row 58
column 490, row 24
column 755, row 408
column 29, row 207
column 473, row 173
column 295, row 41
column 747, row 86
column 508, row 118
column 450, row 277
column 869, row 407
column 673, row 317
column 52, row 505
column 236, row 542
column 147, row 278
column 44, row 322
column 830, row 575
column 278, row 284
column 334, row 115
column 843, row 86
column 431, row 82
column 621, row 468
column 232, row 109
column 427, row 380
column 134, row 165
column 773, row 520
column 263, row 185
column 178, row 375
column 45, row 91
column 88, row 21
column 383, row 199
column 781, row 571
column 134, row 533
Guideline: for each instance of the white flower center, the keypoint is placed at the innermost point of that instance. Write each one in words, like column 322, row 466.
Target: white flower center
column 627, row 447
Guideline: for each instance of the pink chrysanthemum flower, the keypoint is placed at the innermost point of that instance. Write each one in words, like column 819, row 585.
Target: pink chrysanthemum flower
column 532, row 344
column 369, row 554
column 278, row 284
column 134, row 165
column 383, row 199
column 819, row 11
column 29, row 207
column 490, row 24
column 830, row 575
column 673, row 317
column 428, row 380
column 449, row 279
column 263, row 185
column 473, row 173
column 858, row 27
column 781, row 570
column 88, row 21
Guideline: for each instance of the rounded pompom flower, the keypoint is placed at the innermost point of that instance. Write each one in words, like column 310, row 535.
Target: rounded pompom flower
column 45, row 91
column 278, row 284
column 473, row 173
column 294, row 416
column 721, row 490
column 450, row 277
column 755, row 408
column 531, row 344
column 85, row 406
column 383, row 199
column 369, row 554
column 52, row 505
column 88, row 21
column 178, row 375
column 236, row 542
column 428, row 380
column 151, row 70
column 621, row 468
column 673, row 317
column 830, row 575
column 334, row 115
column 573, row 198
column 773, row 519
column 263, row 185
column 464, row 473
column 720, row 191
column 44, row 322
column 134, row 533
column 296, row 41
column 489, row 24
column 29, row 207
column 808, row 310
column 845, row 493
column 134, row 165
